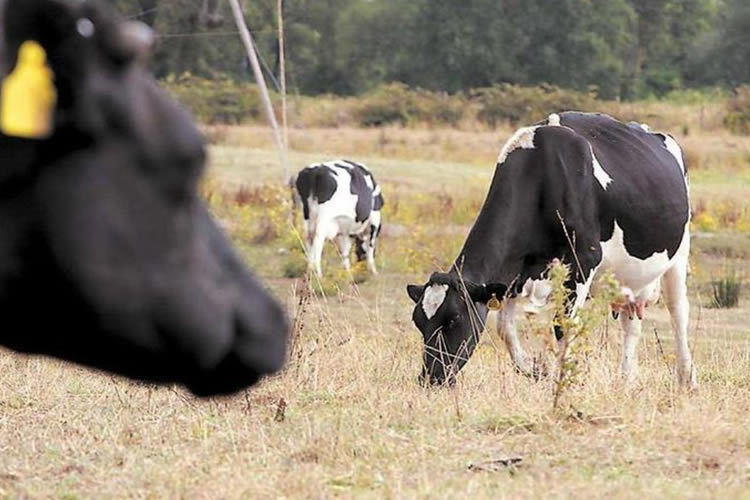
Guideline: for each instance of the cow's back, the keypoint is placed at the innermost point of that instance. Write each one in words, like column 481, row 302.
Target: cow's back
column 646, row 192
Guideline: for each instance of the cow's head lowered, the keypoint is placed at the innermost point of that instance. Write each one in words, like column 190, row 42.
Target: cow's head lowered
column 107, row 255
column 449, row 313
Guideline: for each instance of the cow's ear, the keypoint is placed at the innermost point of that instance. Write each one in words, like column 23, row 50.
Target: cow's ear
column 415, row 292
column 484, row 292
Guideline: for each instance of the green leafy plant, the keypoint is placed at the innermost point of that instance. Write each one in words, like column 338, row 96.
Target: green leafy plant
column 726, row 289
column 577, row 342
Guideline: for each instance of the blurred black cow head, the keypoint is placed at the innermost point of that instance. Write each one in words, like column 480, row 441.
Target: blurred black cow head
column 107, row 255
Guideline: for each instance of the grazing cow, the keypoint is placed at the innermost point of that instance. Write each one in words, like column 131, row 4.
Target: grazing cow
column 341, row 201
column 108, row 257
column 622, row 193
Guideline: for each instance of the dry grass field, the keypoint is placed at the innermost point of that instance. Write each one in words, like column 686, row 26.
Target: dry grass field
column 347, row 418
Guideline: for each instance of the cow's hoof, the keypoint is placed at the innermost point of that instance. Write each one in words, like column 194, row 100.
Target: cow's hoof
column 687, row 380
column 536, row 369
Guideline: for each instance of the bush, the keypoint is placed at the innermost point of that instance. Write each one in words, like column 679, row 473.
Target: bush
column 219, row 100
column 726, row 289
column 515, row 104
column 737, row 119
column 294, row 265
column 395, row 103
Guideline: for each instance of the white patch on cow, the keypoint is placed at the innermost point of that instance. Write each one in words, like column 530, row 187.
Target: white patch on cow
column 582, row 290
column 601, row 175
column 523, row 138
column 675, row 149
column 636, row 274
column 645, row 127
column 433, row 298
column 553, row 120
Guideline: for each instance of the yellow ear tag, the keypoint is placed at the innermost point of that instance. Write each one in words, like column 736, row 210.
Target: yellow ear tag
column 494, row 304
column 28, row 95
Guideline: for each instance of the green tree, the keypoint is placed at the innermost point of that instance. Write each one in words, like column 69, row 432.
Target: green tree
column 723, row 56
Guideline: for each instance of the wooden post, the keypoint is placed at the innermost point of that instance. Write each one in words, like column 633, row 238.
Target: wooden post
column 247, row 40
column 282, row 76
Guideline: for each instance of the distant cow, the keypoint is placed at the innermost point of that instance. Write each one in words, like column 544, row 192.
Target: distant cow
column 341, row 201
column 107, row 255
column 622, row 193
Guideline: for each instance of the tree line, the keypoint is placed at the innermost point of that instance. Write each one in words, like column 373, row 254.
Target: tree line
column 615, row 48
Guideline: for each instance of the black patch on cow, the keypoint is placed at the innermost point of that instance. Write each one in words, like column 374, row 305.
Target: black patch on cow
column 647, row 196
column 518, row 230
column 378, row 202
column 359, row 187
column 318, row 181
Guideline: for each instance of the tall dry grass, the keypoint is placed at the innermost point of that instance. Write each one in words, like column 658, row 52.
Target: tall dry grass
column 347, row 419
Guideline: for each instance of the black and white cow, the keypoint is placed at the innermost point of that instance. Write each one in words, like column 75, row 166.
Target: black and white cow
column 108, row 257
column 622, row 193
column 340, row 201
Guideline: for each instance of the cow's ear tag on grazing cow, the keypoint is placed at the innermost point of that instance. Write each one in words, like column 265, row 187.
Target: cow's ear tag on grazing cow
column 494, row 304
column 28, row 95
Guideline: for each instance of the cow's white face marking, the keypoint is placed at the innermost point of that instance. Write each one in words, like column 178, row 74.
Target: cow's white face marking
column 553, row 120
column 601, row 176
column 433, row 298
column 523, row 138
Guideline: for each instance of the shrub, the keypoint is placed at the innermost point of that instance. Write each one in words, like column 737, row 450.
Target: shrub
column 726, row 289
column 218, row 100
column 515, row 104
column 294, row 265
column 737, row 119
column 395, row 103
column 388, row 104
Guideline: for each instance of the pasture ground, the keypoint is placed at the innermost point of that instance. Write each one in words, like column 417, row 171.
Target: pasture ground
column 347, row 419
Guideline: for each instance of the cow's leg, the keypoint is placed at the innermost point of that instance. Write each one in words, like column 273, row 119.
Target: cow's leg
column 359, row 248
column 344, row 242
column 371, row 249
column 315, row 253
column 674, row 286
column 308, row 232
column 631, row 328
column 506, row 329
